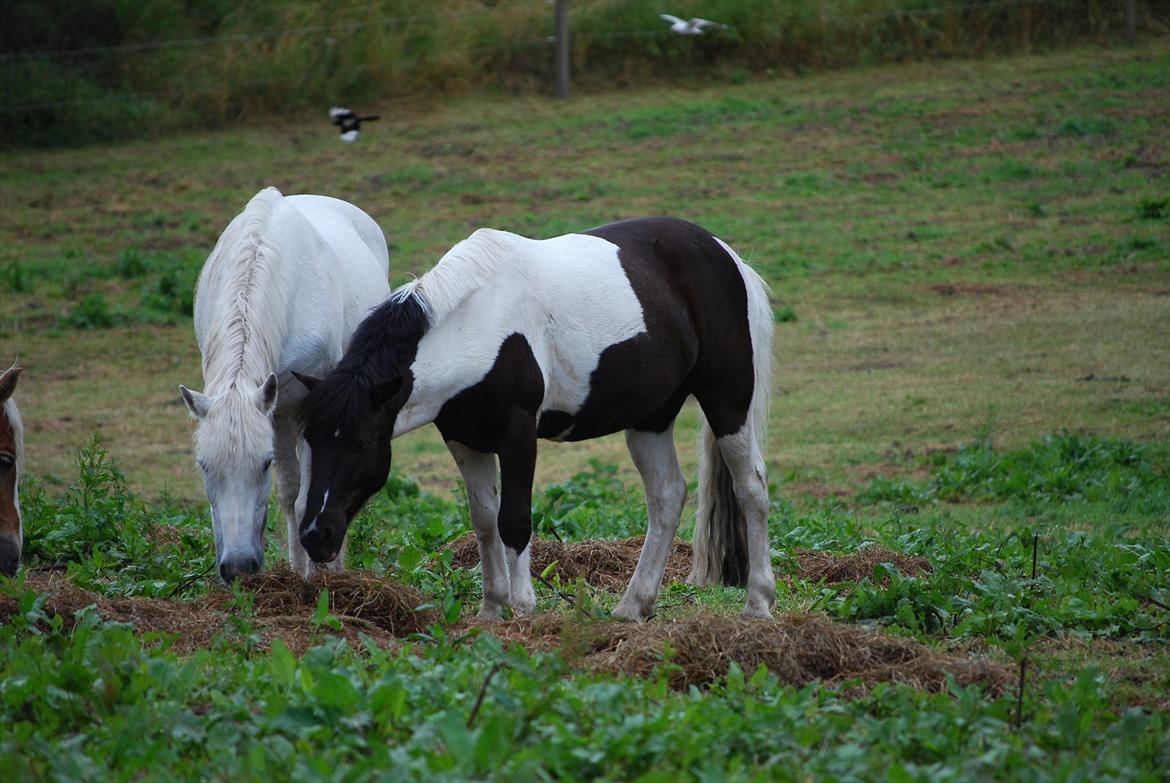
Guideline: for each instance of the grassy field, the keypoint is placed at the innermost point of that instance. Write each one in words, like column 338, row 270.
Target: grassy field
column 971, row 272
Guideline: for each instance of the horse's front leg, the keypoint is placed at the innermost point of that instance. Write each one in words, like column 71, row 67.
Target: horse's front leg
column 479, row 477
column 288, row 486
column 517, row 466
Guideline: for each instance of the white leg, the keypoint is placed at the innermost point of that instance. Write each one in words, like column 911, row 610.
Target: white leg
column 288, row 486
column 479, row 477
column 746, row 464
column 666, row 491
column 523, row 597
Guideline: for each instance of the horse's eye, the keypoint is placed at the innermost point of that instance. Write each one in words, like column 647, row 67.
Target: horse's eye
column 202, row 465
column 267, row 465
column 7, row 461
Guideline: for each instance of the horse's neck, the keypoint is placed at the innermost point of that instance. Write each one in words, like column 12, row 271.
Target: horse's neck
column 10, row 418
column 458, row 351
column 246, row 327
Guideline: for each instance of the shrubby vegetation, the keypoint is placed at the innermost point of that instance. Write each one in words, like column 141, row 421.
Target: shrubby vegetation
column 107, row 69
column 349, row 712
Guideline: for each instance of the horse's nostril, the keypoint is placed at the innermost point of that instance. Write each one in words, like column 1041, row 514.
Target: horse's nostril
column 9, row 556
column 232, row 568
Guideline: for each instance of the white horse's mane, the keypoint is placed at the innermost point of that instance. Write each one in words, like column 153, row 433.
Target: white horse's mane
column 13, row 414
column 243, row 337
column 460, row 271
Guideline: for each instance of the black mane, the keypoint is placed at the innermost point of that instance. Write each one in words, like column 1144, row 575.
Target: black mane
column 382, row 349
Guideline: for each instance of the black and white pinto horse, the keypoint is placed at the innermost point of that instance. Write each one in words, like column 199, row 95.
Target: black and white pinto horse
column 509, row 339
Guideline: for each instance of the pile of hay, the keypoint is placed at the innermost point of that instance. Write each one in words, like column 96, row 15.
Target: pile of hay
column 610, row 564
column 798, row 649
column 283, row 606
column 605, row 564
column 814, row 566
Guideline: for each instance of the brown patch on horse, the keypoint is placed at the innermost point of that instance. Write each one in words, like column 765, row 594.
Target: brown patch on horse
column 10, row 448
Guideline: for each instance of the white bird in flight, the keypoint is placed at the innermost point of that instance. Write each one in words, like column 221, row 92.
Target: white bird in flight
column 694, row 26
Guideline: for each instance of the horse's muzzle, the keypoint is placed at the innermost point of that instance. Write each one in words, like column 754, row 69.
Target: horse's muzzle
column 322, row 539
column 9, row 555
column 232, row 568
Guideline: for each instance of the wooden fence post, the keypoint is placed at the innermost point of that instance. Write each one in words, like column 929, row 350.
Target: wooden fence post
column 562, row 55
column 1130, row 22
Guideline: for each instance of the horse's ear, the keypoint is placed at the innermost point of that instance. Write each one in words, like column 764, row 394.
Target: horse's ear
column 309, row 381
column 266, row 395
column 8, row 382
column 198, row 404
column 384, row 392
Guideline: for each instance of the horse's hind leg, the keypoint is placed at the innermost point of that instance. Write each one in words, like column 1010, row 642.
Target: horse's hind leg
column 483, row 500
column 666, row 490
column 742, row 455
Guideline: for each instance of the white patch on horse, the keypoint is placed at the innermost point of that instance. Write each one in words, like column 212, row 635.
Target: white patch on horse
column 568, row 296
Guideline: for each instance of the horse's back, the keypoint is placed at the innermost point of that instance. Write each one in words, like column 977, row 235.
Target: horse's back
column 339, row 222
column 308, row 268
column 654, row 311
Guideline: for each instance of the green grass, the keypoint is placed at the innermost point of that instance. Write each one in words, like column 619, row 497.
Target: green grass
column 355, row 713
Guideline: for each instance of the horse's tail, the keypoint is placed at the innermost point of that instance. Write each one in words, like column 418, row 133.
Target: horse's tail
column 720, row 539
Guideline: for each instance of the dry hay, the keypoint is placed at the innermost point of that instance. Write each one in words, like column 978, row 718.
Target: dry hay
column 283, row 606
column 605, row 564
column 815, row 566
column 353, row 595
column 798, row 649
column 610, row 564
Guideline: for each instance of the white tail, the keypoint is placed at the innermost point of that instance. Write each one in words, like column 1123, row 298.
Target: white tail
column 720, row 539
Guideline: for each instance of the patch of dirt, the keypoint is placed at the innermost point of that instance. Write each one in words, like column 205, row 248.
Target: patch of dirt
column 610, row 564
column 798, row 649
column 969, row 289
column 283, row 607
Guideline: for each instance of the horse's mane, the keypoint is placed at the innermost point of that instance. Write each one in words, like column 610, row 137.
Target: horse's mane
column 17, row 424
column 382, row 349
column 460, row 271
column 243, row 335
column 384, row 345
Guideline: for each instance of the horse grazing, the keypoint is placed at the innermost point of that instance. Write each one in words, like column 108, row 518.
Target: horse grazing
column 509, row 339
column 283, row 290
column 11, row 465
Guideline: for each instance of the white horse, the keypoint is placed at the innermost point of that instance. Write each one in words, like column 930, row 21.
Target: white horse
column 283, row 290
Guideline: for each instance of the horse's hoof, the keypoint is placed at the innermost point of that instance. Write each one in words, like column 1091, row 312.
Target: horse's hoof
column 751, row 612
column 629, row 612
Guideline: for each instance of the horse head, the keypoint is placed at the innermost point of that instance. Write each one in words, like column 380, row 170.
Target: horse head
column 11, row 459
column 234, row 449
column 346, row 456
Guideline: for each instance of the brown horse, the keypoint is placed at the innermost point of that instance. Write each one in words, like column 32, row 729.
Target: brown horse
column 11, row 462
